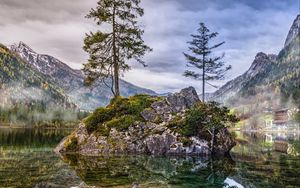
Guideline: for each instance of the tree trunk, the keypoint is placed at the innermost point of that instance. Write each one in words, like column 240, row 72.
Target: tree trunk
column 115, row 58
column 116, row 80
column 212, row 170
column 212, row 142
column 203, row 79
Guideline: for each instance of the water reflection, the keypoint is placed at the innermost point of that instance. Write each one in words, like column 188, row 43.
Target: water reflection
column 254, row 163
column 152, row 171
column 27, row 160
column 259, row 164
column 31, row 138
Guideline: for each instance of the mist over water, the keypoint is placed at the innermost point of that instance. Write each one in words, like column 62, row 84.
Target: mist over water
column 30, row 106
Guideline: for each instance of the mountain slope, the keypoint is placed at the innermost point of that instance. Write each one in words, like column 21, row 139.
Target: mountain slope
column 269, row 74
column 260, row 65
column 295, row 29
column 72, row 81
column 19, row 82
column 283, row 75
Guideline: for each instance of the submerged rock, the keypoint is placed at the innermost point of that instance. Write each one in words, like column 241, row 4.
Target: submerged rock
column 151, row 136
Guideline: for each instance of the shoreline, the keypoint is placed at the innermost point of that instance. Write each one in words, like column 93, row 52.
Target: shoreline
column 32, row 127
column 265, row 131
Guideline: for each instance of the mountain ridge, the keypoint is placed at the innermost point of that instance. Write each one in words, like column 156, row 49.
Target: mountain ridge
column 294, row 30
column 261, row 61
column 20, row 83
column 274, row 72
column 72, row 81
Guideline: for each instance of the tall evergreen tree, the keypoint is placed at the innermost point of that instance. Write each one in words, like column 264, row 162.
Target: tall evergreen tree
column 119, row 40
column 211, row 68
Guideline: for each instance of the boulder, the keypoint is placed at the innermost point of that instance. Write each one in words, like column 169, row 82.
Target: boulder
column 224, row 142
column 183, row 100
column 197, row 147
column 190, row 95
column 151, row 136
column 159, row 144
column 150, row 115
column 162, row 107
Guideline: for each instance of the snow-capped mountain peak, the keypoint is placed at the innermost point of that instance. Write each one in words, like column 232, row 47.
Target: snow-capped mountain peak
column 71, row 81
column 46, row 64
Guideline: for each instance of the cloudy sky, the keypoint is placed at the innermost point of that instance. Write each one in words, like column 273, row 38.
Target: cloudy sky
column 57, row 28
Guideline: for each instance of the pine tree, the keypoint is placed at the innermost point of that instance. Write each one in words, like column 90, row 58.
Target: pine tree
column 211, row 68
column 111, row 48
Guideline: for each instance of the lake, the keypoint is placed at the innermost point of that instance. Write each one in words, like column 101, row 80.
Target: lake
column 27, row 160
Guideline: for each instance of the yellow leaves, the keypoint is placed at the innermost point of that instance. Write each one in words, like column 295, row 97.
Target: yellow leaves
column 45, row 86
column 3, row 50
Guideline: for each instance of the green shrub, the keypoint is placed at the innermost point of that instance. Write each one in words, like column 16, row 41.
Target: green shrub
column 98, row 117
column 102, row 130
column 201, row 117
column 176, row 124
column 297, row 116
column 133, row 105
column 185, row 141
column 71, row 144
column 120, row 114
column 158, row 119
column 122, row 123
column 205, row 116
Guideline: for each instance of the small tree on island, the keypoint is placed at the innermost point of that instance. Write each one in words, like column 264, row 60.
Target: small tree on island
column 210, row 117
column 203, row 120
column 119, row 40
column 212, row 68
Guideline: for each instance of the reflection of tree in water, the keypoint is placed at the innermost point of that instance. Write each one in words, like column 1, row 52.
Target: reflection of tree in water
column 22, row 138
column 212, row 175
column 151, row 171
column 29, row 168
column 277, row 171
column 26, row 159
column 272, row 169
column 268, row 169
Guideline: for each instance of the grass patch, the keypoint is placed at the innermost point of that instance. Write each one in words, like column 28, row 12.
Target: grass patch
column 202, row 117
column 122, row 123
column 185, row 141
column 120, row 114
column 71, row 144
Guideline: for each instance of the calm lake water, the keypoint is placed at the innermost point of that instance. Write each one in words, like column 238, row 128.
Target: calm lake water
column 27, row 160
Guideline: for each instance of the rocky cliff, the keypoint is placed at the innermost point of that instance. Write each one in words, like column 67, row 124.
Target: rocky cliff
column 149, row 135
column 19, row 83
column 268, row 74
column 260, row 65
column 294, row 31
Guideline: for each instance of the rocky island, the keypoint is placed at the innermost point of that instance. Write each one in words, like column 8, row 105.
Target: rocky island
column 145, row 124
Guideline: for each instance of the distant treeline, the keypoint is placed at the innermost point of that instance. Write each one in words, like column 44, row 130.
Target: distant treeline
column 39, row 114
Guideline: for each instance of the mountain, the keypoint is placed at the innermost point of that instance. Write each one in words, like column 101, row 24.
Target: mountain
column 259, row 66
column 72, row 81
column 269, row 75
column 20, row 83
column 280, row 74
column 295, row 29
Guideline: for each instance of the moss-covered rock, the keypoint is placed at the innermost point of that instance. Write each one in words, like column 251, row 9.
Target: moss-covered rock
column 120, row 114
column 71, row 144
column 144, row 124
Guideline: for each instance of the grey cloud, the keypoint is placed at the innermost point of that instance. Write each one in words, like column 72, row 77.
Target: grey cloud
column 57, row 27
column 54, row 11
column 241, row 26
column 196, row 5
